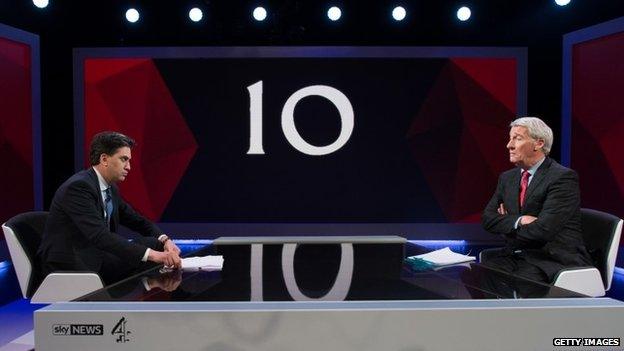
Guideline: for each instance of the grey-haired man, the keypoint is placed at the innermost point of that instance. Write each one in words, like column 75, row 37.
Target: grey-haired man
column 536, row 207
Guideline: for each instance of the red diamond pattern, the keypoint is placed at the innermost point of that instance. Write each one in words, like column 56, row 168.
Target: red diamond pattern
column 130, row 96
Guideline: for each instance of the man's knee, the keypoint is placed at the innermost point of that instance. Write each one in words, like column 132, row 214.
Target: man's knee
column 502, row 263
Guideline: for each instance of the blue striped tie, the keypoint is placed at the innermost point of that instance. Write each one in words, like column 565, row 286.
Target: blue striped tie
column 109, row 204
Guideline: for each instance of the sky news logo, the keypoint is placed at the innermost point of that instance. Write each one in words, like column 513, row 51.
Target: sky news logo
column 78, row 329
column 586, row 342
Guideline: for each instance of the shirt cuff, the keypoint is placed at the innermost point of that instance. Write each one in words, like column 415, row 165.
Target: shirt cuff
column 145, row 284
column 517, row 224
column 161, row 236
column 145, row 255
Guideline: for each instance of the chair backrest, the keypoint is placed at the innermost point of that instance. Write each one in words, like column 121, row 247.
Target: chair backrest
column 601, row 232
column 23, row 235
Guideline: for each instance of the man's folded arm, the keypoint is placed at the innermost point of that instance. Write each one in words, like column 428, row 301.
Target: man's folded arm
column 562, row 200
column 494, row 222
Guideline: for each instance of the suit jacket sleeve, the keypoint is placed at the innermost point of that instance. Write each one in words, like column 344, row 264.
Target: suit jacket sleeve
column 77, row 203
column 494, row 222
column 130, row 218
column 562, row 200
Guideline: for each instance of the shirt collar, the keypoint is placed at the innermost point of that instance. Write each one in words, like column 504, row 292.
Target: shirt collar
column 534, row 168
column 103, row 184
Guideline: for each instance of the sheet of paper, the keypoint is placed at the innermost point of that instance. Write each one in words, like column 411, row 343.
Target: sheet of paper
column 445, row 256
column 204, row 263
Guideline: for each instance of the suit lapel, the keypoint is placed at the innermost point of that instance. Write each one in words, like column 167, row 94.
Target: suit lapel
column 514, row 192
column 540, row 174
column 95, row 183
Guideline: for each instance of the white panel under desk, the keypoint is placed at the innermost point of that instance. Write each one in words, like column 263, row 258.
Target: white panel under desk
column 529, row 324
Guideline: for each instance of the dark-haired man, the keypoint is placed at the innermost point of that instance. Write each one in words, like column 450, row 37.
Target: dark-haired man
column 86, row 211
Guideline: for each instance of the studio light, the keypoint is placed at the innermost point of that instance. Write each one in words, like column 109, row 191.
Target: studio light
column 259, row 13
column 132, row 15
column 334, row 13
column 41, row 3
column 463, row 14
column 398, row 13
column 196, row 14
column 562, row 2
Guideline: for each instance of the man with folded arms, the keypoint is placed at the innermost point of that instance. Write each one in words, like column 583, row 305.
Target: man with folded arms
column 536, row 208
column 86, row 212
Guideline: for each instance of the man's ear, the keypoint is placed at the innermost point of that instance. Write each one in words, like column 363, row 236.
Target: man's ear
column 104, row 159
column 539, row 144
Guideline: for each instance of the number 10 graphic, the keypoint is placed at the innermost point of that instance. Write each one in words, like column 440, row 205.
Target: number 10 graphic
column 334, row 95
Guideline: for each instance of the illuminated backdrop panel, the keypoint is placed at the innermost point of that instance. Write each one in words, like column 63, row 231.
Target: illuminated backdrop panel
column 593, row 113
column 305, row 135
column 595, row 57
column 20, row 136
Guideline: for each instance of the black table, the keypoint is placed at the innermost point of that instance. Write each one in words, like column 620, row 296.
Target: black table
column 323, row 272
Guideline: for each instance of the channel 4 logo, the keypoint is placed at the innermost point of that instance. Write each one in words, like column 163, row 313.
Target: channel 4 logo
column 121, row 331
column 78, row 329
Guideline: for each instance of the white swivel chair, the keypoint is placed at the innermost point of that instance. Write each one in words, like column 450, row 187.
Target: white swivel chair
column 23, row 235
column 601, row 233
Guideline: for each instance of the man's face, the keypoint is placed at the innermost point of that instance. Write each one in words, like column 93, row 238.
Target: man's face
column 117, row 165
column 524, row 151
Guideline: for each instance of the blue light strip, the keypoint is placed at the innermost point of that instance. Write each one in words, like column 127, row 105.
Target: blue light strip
column 619, row 271
column 439, row 242
column 5, row 264
column 460, row 246
column 193, row 241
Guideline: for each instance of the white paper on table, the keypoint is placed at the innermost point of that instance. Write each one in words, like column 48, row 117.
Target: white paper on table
column 445, row 256
column 202, row 263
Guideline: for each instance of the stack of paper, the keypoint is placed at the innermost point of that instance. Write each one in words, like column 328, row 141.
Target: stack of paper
column 443, row 257
column 204, row 263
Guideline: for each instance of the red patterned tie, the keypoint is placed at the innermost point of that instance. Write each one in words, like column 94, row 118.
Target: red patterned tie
column 524, row 184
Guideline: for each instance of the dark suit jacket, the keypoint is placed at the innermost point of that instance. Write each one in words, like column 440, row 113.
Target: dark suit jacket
column 77, row 235
column 552, row 242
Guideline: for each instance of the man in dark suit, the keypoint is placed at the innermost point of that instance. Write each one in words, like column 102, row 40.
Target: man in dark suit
column 536, row 207
column 86, row 211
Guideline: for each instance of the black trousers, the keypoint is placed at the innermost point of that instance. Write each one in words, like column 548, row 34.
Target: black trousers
column 519, row 283
column 112, row 269
column 517, row 265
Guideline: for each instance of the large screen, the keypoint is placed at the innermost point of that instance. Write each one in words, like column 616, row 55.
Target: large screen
column 305, row 135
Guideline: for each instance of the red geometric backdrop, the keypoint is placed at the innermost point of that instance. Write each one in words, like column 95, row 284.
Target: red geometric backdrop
column 16, row 133
column 598, row 121
column 469, row 107
column 124, row 95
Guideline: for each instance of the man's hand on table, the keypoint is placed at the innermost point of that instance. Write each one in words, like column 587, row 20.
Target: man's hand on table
column 170, row 246
column 169, row 258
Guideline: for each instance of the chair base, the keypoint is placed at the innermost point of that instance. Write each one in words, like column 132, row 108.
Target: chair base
column 63, row 287
column 586, row 281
